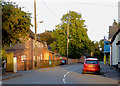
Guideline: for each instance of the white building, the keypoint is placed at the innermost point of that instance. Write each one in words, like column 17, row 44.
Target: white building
column 115, row 49
column 114, row 37
column 119, row 11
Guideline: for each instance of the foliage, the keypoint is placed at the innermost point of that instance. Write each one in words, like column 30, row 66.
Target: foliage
column 97, row 53
column 79, row 41
column 101, row 43
column 15, row 24
column 4, row 55
column 46, row 37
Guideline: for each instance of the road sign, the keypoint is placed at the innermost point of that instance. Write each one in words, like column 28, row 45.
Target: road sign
column 106, row 46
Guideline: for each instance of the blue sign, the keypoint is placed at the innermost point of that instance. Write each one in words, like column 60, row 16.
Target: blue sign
column 106, row 46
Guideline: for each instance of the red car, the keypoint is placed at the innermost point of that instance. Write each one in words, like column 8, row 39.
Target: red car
column 91, row 65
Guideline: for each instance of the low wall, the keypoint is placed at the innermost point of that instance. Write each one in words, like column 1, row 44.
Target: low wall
column 70, row 61
column 81, row 60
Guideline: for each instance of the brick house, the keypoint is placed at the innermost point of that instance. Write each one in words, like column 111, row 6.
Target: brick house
column 25, row 53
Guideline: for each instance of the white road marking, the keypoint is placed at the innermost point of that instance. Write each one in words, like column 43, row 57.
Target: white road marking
column 64, row 77
column 68, row 72
column 64, row 81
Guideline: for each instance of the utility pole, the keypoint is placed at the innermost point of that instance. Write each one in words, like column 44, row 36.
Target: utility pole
column 35, row 65
column 67, row 39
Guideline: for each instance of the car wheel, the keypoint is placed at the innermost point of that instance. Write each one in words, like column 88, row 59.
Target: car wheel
column 98, row 72
column 83, row 72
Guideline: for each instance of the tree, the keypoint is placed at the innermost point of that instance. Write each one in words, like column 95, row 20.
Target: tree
column 97, row 53
column 101, row 43
column 15, row 24
column 78, row 43
column 46, row 37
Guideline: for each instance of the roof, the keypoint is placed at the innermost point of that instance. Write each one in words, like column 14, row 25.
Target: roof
column 91, row 59
column 113, row 38
column 18, row 46
column 32, row 35
column 21, row 46
column 112, row 30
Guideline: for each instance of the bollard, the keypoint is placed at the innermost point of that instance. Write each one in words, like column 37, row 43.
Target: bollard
column 104, row 58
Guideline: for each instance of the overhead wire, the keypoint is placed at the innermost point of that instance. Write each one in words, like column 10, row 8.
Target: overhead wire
column 49, row 9
column 83, row 3
column 107, row 5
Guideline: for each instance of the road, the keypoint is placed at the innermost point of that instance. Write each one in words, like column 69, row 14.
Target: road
column 66, row 74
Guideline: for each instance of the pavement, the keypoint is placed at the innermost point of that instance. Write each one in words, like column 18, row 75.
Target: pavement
column 106, row 70
column 110, row 72
column 9, row 75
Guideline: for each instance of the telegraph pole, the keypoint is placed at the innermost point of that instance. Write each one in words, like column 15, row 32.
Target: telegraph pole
column 67, row 39
column 35, row 65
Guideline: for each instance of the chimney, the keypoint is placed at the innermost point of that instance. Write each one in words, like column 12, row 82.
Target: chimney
column 45, row 43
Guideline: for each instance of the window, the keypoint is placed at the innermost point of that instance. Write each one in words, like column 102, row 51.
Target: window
column 91, row 62
column 34, row 58
column 41, row 56
column 42, row 46
column 37, row 44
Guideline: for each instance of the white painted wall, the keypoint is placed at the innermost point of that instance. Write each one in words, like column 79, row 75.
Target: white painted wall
column 119, row 47
column 115, row 54
column 110, row 55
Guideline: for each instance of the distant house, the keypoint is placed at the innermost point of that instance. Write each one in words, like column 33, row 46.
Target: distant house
column 115, row 49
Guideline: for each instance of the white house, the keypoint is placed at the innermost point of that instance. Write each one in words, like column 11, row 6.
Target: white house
column 115, row 49
column 119, row 11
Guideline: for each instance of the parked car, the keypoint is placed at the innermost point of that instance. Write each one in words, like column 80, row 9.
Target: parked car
column 91, row 65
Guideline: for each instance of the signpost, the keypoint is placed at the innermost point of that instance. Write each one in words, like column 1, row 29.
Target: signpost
column 106, row 48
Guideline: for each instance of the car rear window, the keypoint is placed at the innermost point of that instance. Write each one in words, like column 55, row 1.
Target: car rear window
column 91, row 62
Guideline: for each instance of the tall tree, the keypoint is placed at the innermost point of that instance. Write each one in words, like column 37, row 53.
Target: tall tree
column 78, row 43
column 46, row 37
column 15, row 24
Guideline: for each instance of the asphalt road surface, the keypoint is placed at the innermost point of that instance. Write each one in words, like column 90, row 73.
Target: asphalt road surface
column 66, row 74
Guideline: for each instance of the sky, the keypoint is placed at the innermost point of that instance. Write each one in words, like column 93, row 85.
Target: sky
column 98, row 14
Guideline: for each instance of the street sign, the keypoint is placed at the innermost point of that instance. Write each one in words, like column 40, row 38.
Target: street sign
column 106, row 46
